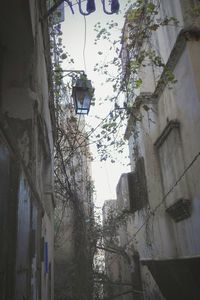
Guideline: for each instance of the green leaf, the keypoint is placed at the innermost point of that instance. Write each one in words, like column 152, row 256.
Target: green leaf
column 150, row 7
column 138, row 83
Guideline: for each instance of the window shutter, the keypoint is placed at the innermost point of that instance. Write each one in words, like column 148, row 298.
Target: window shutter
column 137, row 185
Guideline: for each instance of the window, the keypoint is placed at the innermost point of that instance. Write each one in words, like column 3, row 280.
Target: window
column 172, row 165
column 132, row 188
column 138, row 195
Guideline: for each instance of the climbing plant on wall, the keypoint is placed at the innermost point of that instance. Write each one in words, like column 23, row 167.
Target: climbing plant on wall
column 133, row 51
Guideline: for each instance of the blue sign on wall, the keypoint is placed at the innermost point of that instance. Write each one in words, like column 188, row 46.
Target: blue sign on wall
column 46, row 258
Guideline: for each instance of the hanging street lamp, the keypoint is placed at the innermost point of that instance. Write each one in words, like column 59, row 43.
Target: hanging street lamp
column 82, row 90
column 82, row 94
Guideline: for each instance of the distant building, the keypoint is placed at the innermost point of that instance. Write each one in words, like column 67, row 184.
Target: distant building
column 26, row 154
column 118, row 281
column 112, row 259
column 161, row 195
column 74, row 245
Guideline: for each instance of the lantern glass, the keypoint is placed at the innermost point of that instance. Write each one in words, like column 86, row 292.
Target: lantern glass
column 82, row 101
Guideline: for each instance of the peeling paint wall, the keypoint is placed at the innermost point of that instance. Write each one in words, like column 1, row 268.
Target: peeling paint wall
column 26, row 144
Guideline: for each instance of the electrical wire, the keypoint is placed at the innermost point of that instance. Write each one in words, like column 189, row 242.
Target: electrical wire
column 84, row 44
column 151, row 213
column 84, row 61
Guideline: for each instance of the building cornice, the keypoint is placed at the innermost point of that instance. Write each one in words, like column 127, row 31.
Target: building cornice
column 185, row 35
column 170, row 126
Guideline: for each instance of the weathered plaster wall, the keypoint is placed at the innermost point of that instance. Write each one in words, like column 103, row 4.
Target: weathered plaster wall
column 152, row 231
column 164, row 38
column 26, row 128
column 181, row 102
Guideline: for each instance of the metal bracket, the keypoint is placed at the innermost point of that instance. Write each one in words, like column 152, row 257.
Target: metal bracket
column 55, row 6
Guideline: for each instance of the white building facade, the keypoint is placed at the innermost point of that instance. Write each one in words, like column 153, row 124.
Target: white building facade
column 162, row 193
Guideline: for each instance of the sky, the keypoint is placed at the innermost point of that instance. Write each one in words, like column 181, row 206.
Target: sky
column 79, row 40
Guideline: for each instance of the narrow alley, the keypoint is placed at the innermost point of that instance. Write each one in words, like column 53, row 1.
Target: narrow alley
column 100, row 150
